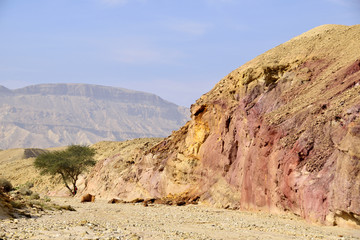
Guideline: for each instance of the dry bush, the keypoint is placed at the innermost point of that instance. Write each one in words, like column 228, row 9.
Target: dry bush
column 5, row 185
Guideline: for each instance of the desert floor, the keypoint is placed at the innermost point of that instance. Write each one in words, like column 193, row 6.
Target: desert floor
column 101, row 220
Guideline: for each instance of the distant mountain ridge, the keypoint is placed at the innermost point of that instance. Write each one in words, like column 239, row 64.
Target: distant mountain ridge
column 91, row 91
column 49, row 115
column 4, row 90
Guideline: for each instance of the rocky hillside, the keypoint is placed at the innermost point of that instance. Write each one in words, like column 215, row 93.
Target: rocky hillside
column 52, row 115
column 17, row 164
column 280, row 133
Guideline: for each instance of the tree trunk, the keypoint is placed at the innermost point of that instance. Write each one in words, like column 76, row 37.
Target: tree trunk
column 67, row 186
column 75, row 188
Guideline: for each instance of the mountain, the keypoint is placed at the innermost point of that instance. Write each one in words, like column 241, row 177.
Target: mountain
column 50, row 115
column 280, row 133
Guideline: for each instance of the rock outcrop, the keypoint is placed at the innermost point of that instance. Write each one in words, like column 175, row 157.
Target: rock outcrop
column 53, row 115
column 87, row 198
column 280, row 133
column 18, row 166
column 5, row 206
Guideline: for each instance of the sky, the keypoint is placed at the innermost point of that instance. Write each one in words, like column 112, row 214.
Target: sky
column 176, row 49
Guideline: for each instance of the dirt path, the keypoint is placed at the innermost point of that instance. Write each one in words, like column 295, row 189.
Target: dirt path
column 101, row 220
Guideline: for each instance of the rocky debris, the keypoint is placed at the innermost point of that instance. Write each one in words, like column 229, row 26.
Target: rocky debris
column 14, row 205
column 280, row 133
column 87, row 198
column 134, row 221
column 5, row 206
column 115, row 200
column 33, row 152
column 175, row 200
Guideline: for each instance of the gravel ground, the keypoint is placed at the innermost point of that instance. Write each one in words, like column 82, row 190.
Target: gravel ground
column 101, row 220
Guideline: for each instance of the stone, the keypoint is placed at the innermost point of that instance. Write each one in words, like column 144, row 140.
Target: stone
column 280, row 133
column 87, row 198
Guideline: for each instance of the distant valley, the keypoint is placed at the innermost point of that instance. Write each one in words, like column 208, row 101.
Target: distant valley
column 50, row 115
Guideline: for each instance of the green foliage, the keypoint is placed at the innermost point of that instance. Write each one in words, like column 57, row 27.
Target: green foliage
column 17, row 204
column 29, row 184
column 47, row 199
column 69, row 163
column 64, row 207
column 25, row 191
column 35, row 196
column 5, row 185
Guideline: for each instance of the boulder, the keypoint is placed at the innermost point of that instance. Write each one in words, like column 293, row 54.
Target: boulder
column 87, row 198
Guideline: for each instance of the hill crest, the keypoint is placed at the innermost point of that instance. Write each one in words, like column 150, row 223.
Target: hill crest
column 50, row 115
column 280, row 133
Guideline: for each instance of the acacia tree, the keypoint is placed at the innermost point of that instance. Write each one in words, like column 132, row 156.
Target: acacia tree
column 69, row 164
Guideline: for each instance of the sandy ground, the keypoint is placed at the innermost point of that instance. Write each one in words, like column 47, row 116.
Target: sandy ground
column 101, row 220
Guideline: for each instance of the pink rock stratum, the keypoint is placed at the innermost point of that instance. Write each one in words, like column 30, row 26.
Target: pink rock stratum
column 280, row 133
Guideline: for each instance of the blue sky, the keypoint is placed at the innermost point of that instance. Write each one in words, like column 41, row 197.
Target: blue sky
column 177, row 49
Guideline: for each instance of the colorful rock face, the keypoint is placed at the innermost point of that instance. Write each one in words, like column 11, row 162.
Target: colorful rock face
column 280, row 133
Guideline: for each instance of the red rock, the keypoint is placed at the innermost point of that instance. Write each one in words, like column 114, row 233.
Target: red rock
column 87, row 198
column 280, row 133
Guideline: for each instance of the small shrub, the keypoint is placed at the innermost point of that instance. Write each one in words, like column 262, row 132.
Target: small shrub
column 62, row 207
column 17, row 204
column 29, row 184
column 34, row 196
column 25, row 191
column 47, row 199
column 5, row 185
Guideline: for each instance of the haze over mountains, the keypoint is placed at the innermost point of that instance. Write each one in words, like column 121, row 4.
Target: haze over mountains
column 50, row 115
column 281, row 133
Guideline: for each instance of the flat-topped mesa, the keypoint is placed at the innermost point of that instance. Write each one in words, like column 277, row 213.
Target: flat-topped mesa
column 52, row 115
column 280, row 133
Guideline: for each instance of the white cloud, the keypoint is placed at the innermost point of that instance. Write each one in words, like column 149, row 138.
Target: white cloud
column 212, row 2
column 189, row 27
column 146, row 55
column 114, row 2
column 346, row 3
column 137, row 55
column 118, row 2
column 176, row 91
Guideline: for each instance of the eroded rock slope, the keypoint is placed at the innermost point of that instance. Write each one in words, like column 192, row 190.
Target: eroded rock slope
column 280, row 133
column 53, row 115
column 17, row 165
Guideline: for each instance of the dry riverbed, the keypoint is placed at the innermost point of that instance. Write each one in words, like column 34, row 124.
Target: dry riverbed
column 101, row 220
